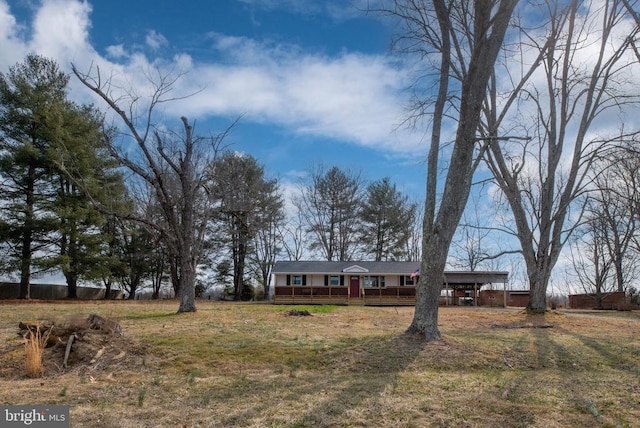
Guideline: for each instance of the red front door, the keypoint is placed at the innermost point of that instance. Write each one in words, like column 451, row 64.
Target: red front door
column 354, row 286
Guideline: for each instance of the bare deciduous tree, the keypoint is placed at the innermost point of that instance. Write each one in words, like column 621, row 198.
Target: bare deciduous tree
column 626, row 165
column 292, row 236
column 590, row 260
column 462, row 39
column 249, row 206
column 609, row 229
column 414, row 248
column 472, row 247
column 173, row 164
column 330, row 206
column 585, row 66
column 267, row 246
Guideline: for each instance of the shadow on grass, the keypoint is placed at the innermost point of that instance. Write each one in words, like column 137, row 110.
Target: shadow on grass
column 322, row 389
column 367, row 369
column 553, row 353
column 534, row 346
column 547, row 349
column 151, row 315
column 569, row 363
column 614, row 355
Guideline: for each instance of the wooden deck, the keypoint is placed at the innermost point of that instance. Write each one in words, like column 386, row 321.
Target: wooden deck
column 339, row 295
column 330, row 295
column 390, row 296
column 310, row 300
column 389, row 301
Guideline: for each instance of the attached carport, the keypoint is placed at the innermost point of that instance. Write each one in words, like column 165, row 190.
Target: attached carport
column 463, row 283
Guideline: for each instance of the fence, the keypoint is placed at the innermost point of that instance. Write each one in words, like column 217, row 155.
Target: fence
column 11, row 290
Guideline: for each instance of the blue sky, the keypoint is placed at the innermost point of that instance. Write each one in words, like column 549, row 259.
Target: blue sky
column 313, row 80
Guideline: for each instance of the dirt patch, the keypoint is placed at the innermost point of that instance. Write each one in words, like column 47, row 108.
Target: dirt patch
column 75, row 344
column 520, row 325
column 298, row 313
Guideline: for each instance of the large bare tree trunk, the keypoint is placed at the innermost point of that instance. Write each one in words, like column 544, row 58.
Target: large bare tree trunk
column 488, row 34
column 187, row 288
column 538, row 284
column 186, row 249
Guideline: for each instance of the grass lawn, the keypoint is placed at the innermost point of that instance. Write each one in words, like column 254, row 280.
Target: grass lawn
column 253, row 365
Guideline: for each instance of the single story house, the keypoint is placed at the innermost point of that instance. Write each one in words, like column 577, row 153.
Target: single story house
column 370, row 283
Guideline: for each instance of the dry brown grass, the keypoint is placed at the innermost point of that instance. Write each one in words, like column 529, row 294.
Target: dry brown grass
column 34, row 348
column 252, row 365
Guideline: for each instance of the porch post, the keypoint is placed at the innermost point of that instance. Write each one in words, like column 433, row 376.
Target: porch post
column 504, row 293
column 475, row 294
column 446, row 291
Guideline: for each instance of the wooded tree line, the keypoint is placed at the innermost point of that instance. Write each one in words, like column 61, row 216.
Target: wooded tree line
column 139, row 204
column 605, row 249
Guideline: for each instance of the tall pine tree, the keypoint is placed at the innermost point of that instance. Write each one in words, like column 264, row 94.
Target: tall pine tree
column 387, row 218
column 32, row 103
column 51, row 157
column 84, row 167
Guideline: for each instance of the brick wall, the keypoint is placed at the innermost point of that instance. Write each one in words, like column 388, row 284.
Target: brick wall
column 615, row 300
column 515, row 298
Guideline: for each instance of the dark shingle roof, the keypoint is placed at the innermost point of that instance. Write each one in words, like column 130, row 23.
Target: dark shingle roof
column 374, row 268
column 384, row 268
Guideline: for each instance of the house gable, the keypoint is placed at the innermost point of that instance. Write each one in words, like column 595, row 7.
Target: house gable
column 355, row 269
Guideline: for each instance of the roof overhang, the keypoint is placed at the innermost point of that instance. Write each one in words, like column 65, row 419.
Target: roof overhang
column 475, row 277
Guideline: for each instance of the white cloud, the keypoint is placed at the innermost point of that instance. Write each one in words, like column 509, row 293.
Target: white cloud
column 12, row 47
column 300, row 7
column 351, row 97
column 116, row 51
column 7, row 21
column 61, row 29
column 155, row 40
column 335, row 9
column 296, row 174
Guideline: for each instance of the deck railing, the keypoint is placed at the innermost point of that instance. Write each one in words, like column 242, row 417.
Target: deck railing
column 312, row 294
column 389, row 296
column 340, row 295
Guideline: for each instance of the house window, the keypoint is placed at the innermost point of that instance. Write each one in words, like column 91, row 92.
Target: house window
column 374, row 281
column 408, row 280
column 296, row 279
column 334, row 280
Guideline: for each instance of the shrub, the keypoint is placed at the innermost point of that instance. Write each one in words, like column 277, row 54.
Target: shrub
column 633, row 297
column 34, row 347
column 247, row 292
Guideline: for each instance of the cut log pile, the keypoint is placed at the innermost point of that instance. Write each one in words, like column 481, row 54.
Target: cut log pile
column 93, row 341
